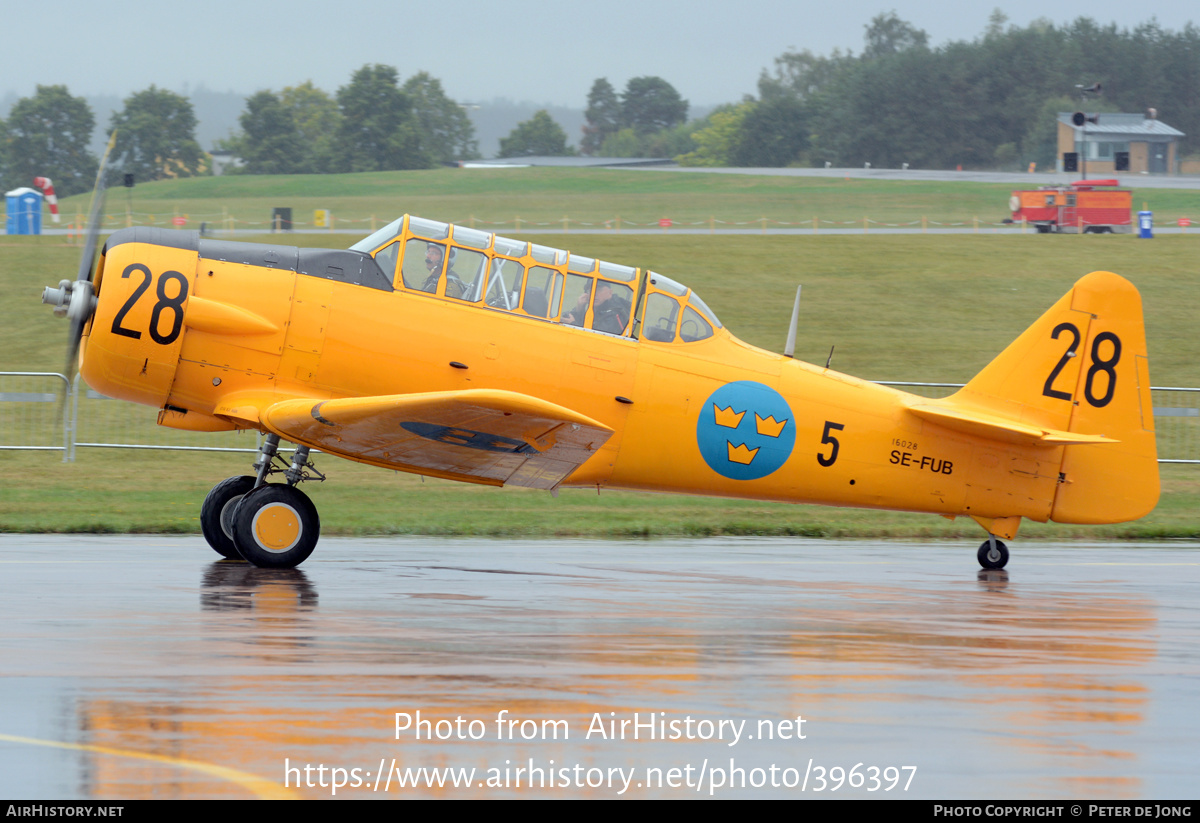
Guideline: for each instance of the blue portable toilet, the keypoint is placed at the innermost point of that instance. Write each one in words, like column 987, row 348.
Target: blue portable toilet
column 1146, row 225
column 24, row 208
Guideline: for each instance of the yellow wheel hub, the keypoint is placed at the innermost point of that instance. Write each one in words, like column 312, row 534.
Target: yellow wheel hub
column 277, row 527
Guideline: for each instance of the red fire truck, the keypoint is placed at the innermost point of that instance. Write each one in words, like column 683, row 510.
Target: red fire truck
column 1086, row 206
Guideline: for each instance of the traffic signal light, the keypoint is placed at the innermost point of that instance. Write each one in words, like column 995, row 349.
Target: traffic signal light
column 1070, row 161
column 1121, row 161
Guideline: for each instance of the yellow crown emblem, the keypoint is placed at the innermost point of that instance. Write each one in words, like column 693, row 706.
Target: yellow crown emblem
column 726, row 417
column 741, row 454
column 769, row 427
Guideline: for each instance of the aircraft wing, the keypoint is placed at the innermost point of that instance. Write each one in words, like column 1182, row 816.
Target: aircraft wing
column 480, row 435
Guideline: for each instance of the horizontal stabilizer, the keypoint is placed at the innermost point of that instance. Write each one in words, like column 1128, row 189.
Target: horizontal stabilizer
column 970, row 421
column 482, row 436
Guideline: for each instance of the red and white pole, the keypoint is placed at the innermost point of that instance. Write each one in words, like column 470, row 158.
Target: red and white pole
column 47, row 187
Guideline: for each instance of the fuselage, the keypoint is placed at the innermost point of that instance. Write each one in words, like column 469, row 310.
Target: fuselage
column 213, row 332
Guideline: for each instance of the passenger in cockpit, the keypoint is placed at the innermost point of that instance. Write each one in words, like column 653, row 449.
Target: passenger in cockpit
column 609, row 313
column 578, row 312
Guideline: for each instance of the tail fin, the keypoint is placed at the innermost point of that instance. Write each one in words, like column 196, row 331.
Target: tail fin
column 1082, row 368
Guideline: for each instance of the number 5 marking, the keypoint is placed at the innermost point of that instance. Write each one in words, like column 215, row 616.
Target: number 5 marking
column 826, row 437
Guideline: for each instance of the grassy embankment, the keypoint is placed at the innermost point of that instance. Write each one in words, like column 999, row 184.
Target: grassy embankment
column 496, row 198
column 905, row 308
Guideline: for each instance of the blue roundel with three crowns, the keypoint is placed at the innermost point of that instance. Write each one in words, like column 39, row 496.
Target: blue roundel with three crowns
column 746, row 430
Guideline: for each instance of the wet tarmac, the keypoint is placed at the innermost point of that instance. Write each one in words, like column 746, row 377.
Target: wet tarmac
column 139, row 667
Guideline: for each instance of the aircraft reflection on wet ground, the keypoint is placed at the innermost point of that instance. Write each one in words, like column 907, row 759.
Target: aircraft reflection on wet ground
column 135, row 667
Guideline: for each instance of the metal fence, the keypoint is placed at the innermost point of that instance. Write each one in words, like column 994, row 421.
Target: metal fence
column 31, row 417
column 101, row 422
column 46, row 411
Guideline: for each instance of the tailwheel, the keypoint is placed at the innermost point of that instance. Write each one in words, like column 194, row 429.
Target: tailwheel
column 993, row 554
column 216, row 515
column 276, row 526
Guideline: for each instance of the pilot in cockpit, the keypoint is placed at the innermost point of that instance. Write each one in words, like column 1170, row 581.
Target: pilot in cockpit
column 435, row 253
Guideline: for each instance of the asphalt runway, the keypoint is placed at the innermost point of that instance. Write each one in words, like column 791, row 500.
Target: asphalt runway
column 139, row 667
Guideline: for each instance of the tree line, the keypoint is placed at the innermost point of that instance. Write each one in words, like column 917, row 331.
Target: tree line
column 47, row 135
column 373, row 123
column 986, row 103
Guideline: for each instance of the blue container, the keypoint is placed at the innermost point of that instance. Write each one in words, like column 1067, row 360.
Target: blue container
column 1146, row 225
column 24, row 208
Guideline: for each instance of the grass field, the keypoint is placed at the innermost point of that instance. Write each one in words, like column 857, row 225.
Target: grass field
column 923, row 308
column 496, row 198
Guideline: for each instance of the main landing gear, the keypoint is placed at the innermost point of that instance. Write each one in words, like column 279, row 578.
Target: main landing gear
column 993, row 554
column 272, row 525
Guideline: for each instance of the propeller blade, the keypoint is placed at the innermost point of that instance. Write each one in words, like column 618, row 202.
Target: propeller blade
column 80, row 302
column 93, row 228
column 74, row 339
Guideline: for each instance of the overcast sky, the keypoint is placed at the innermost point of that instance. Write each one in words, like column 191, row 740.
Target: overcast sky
column 532, row 50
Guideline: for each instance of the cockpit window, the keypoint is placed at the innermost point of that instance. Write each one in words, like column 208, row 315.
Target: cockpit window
column 422, row 267
column 428, row 228
column 611, row 307
column 543, row 288
column 386, row 259
column 667, row 284
column 700, row 306
column 549, row 256
column 511, row 248
column 378, row 238
column 464, row 278
column 581, row 265
column 694, row 327
column 661, row 318
column 673, row 313
column 576, row 299
column 471, row 237
column 504, row 284
column 509, row 275
column 626, row 273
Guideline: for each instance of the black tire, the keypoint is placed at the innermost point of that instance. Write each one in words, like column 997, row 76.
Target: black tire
column 221, row 503
column 989, row 561
column 276, row 527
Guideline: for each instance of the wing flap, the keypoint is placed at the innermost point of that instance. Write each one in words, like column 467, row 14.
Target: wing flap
column 481, row 435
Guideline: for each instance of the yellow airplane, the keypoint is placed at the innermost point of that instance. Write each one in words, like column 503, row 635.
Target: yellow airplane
column 450, row 352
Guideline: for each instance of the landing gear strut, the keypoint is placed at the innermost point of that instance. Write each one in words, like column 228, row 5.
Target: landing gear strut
column 271, row 525
column 993, row 554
